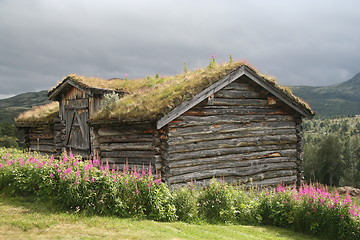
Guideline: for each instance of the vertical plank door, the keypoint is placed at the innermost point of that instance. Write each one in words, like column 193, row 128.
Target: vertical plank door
column 77, row 129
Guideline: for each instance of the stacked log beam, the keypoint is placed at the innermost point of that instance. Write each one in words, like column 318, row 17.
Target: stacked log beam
column 132, row 145
column 41, row 139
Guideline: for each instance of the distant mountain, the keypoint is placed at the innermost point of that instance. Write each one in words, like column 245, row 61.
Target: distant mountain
column 11, row 107
column 341, row 99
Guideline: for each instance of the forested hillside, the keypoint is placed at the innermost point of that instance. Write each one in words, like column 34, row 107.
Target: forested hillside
column 11, row 107
column 341, row 99
column 332, row 151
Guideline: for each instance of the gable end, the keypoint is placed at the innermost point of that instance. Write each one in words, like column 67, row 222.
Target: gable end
column 208, row 92
column 55, row 95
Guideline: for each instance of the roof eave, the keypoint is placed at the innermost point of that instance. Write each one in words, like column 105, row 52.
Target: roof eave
column 53, row 95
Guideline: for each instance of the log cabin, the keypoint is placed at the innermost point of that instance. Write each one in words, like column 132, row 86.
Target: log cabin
column 224, row 121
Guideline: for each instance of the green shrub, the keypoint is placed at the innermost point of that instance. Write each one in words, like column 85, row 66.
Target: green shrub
column 216, row 203
column 8, row 142
column 246, row 205
column 276, row 209
column 185, row 200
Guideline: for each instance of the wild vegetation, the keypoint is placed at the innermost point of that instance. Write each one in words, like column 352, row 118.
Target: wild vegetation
column 332, row 151
column 91, row 188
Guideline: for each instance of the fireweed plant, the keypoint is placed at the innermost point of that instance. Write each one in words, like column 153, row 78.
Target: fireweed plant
column 88, row 186
column 311, row 209
column 92, row 187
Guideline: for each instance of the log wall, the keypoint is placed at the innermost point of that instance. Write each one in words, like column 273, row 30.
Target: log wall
column 41, row 139
column 120, row 144
column 240, row 134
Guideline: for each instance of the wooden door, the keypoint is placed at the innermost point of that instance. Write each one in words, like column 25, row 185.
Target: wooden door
column 77, row 129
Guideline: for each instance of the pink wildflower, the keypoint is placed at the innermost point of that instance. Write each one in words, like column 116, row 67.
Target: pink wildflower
column 87, row 167
column 143, row 173
column 352, row 212
column 347, row 200
column 136, row 189
column 78, row 173
column 1, row 165
column 92, row 180
column 52, row 175
column 150, row 170
column 280, row 188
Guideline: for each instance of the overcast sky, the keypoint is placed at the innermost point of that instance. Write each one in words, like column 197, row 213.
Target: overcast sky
column 304, row 42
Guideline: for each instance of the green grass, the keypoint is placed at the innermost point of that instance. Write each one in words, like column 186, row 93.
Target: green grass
column 27, row 219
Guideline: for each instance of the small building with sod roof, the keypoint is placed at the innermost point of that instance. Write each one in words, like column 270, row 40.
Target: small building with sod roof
column 224, row 121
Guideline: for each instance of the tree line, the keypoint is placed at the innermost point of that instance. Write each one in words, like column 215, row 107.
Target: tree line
column 9, row 135
column 332, row 151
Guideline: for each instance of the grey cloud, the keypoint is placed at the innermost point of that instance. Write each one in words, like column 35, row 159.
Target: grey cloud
column 301, row 43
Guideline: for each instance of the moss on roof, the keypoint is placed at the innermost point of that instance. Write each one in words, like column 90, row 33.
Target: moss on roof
column 157, row 96
column 151, row 98
column 39, row 114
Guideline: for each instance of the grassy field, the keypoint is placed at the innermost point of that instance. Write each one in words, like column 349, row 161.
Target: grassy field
column 27, row 219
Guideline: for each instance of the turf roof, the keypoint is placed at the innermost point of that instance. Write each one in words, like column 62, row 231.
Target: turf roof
column 38, row 114
column 151, row 98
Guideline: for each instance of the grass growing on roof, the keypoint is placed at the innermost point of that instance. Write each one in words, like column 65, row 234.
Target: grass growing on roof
column 151, row 98
column 159, row 95
column 154, row 97
column 40, row 114
column 112, row 84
